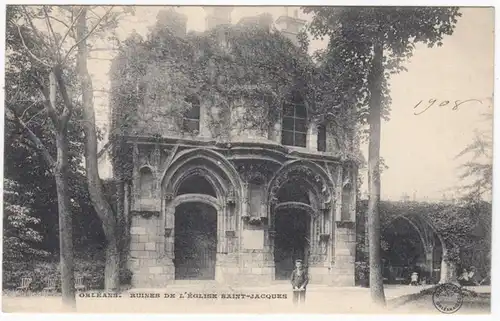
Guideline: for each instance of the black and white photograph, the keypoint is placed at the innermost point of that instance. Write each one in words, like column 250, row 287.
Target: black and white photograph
column 247, row 159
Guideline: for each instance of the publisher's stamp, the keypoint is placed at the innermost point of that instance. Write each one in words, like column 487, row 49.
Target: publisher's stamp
column 447, row 298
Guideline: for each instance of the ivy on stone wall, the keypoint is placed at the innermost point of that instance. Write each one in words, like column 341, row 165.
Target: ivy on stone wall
column 461, row 225
column 227, row 67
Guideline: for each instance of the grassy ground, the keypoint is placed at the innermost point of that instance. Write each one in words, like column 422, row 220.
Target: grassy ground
column 473, row 302
column 471, row 305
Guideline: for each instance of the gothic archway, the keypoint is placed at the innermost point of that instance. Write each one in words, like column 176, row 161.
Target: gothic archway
column 296, row 221
column 200, row 201
column 303, row 172
column 417, row 241
column 292, row 221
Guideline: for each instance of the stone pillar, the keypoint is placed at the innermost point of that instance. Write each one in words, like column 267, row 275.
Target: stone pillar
column 221, row 245
column 168, row 233
column 337, row 213
column 146, row 260
column 345, row 253
column 275, row 132
column 429, row 260
column 448, row 269
column 135, row 177
column 312, row 136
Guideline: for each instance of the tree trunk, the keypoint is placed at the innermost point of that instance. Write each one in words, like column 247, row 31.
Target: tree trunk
column 375, row 85
column 112, row 267
column 122, row 228
column 448, row 269
column 366, row 247
column 96, row 190
column 65, row 224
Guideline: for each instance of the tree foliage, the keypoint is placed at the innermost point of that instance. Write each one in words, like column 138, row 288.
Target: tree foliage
column 51, row 69
column 374, row 42
column 20, row 236
column 23, row 161
column 476, row 173
column 354, row 30
column 462, row 226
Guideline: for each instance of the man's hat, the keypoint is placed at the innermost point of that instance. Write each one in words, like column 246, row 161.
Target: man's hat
column 298, row 260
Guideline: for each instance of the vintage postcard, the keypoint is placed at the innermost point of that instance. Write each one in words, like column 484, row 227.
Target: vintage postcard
column 244, row 159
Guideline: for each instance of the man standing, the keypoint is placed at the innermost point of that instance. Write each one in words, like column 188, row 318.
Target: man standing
column 299, row 282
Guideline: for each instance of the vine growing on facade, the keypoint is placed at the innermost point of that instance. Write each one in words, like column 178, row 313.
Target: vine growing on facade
column 242, row 74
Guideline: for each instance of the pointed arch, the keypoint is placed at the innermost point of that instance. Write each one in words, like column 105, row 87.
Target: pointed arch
column 212, row 165
column 306, row 171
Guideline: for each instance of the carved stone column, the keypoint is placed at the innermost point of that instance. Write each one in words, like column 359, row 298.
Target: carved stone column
column 312, row 135
column 221, row 229
column 354, row 177
column 169, row 232
column 338, row 194
column 155, row 162
column 429, row 259
column 135, row 176
column 245, row 207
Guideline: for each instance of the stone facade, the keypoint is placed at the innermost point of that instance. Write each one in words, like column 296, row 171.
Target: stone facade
column 251, row 179
column 247, row 179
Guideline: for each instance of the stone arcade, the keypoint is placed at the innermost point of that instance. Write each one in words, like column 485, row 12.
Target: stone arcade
column 242, row 210
column 238, row 214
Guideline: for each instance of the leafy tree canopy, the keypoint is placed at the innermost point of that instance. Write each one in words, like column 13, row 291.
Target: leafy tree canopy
column 354, row 30
column 24, row 165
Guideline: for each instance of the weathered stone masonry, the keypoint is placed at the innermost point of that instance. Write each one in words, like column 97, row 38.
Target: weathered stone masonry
column 251, row 177
column 246, row 185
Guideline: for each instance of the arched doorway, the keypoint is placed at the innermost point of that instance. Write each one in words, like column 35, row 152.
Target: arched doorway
column 292, row 225
column 291, row 240
column 409, row 245
column 195, row 243
column 195, row 233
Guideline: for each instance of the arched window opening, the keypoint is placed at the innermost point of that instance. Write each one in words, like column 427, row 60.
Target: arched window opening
column 322, row 138
column 146, row 183
column 191, row 120
column 196, row 184
column 294, row 131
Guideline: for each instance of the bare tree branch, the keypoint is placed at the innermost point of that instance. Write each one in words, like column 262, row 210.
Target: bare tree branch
column 88, row 34
column 60, row 21
column 35, row 115
column 95, row 14
column 103, row 59
column 64, row 93
column 47, row 103
column 14, row 97
column 49, row 26
column 32, row 55
column 35, row 30
column 52, row 88
column 24, row 112
column 38, row 143
column 70, row 28
column 103, row 49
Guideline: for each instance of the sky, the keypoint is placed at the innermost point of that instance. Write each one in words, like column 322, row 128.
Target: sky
column 419, row 149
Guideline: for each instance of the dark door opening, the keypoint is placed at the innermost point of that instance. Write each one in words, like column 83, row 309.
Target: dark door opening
column 195, row 242
column 291, row 241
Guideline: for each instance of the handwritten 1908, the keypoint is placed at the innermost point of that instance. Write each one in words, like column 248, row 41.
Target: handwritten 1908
column 434, row 102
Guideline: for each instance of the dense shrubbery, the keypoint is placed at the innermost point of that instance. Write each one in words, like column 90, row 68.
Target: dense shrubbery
column 92, row 272
column 362, row 274
column 464, row 227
